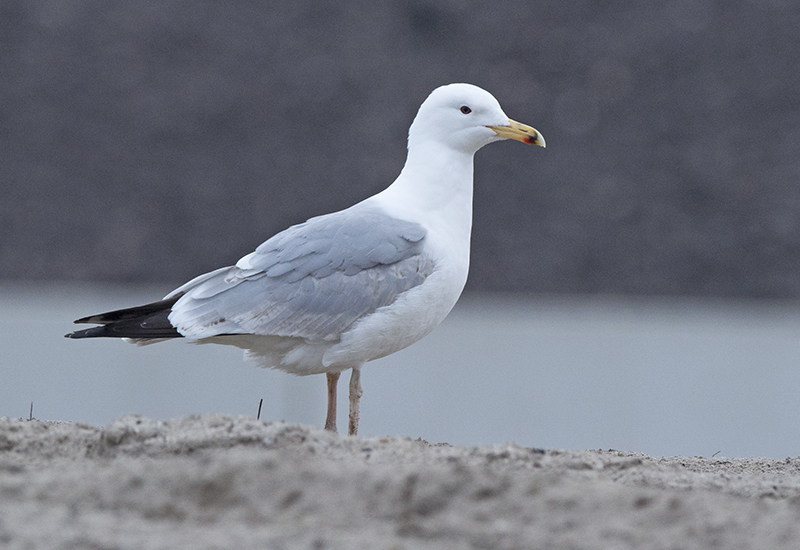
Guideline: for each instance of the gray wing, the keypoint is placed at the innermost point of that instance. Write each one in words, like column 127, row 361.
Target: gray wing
column 312, row 280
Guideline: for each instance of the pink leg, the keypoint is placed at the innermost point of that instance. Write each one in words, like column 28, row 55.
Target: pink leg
column 330, row 420
column 355, row 398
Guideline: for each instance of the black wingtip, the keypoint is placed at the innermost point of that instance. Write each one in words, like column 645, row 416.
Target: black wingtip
column 130, row 313
column 145, row 322
column 94, row 332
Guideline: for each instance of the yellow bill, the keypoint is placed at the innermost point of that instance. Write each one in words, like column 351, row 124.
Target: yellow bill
column 520, row 132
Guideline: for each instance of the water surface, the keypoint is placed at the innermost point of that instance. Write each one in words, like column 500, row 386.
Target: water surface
column 660, row 376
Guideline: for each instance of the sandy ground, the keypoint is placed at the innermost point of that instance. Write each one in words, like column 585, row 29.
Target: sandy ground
column 233, row 482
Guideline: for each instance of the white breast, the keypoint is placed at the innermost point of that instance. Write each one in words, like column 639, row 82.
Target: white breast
column 413, row 315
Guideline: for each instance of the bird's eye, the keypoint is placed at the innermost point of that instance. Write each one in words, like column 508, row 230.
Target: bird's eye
column 466, row 110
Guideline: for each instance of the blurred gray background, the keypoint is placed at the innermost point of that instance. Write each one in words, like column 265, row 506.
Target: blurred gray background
column 149, row 141
column 635, row 285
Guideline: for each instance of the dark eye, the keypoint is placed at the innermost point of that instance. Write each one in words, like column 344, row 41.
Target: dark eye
column 466, row 110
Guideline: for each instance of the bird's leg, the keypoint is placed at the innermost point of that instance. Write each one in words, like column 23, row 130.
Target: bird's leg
column 330, row 420
column 355, row 398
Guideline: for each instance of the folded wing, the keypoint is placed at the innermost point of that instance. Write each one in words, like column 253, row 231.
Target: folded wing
column 312, row 281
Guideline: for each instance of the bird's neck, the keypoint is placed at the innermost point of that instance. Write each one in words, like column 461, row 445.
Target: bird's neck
column 436, row 178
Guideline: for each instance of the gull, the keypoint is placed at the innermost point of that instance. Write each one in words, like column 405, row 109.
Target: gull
column 348, row 287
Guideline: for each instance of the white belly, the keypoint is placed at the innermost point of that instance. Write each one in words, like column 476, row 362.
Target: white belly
column 413, row 315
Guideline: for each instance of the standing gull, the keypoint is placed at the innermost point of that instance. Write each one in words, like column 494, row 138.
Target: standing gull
column 342, row 289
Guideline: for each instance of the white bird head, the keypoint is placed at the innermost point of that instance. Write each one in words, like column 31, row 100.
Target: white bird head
column 465, row 117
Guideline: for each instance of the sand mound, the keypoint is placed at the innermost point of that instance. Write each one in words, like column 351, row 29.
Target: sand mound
column 223, row 482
